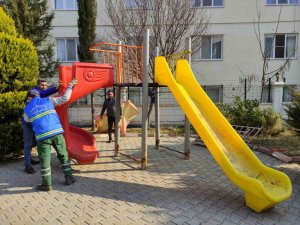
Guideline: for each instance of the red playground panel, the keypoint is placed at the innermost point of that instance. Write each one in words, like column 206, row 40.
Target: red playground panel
column 81, row 145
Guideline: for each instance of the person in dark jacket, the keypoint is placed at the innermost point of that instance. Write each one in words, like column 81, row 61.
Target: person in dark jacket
column 110, row 106
column 48, row 132
column 28, row 135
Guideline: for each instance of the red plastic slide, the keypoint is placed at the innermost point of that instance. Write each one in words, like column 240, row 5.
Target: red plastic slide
column 81, row 145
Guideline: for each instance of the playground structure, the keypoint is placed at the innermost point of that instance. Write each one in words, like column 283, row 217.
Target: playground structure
column 81, row 145
column 129, row 111
column 263, row 186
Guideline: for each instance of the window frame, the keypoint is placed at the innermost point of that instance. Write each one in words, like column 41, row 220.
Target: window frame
column 276, row 3
column 273, row 50
column 197, row 56
column 64, row 8
column 211, row 6
column 286, row 96
column 220, row 90
column 65, row 45
column 135, row 5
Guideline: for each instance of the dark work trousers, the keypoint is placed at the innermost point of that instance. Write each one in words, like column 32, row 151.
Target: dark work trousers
column 28, row 136
column 29, row 142
column 111, row 122
column 44, row 151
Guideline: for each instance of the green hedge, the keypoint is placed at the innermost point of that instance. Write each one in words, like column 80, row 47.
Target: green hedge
column 293, row 111
column 12, row 105
column 18, row 63
column 7, row 25
column 248, row 113
column 11, row 141
column 18, row 73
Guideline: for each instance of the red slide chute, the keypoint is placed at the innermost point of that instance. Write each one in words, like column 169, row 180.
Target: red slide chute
column 81, row 145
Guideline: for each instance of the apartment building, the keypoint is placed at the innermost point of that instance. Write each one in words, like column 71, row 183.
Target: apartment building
column 228, row 64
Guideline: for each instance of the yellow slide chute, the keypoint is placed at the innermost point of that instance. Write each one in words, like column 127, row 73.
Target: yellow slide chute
column 263, row 186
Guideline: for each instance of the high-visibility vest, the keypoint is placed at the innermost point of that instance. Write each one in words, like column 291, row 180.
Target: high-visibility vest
column 44, row 119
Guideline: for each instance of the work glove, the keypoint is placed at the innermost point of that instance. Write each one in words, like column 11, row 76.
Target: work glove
column 60, row 84
column 72, row 83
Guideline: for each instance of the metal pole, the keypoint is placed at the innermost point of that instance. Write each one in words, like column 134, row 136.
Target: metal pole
column 119, row 64
column 145, row 101
column 269, row 90
column 117, row 120
column 245, row 89
column 187, row 124
column 118, row 103
column 157, row 113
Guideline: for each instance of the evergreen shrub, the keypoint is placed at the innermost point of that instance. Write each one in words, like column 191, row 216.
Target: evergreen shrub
column 7, row 24
column 293, row 111
column 248, row 113
column 18, row 73
column 11, row 141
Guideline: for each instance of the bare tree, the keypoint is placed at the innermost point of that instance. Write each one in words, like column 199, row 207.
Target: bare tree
column 169, row 21
column 266, row 52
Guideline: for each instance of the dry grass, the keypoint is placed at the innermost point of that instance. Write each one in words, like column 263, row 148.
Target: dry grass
column 170, row 130
column 288, row 140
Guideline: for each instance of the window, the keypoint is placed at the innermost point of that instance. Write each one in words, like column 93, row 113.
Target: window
column 67, row 49
column 135, row 4
column 215, row 93
column 82, row 101
column 135, row 95
column 211, row 48
column 287, row 97
column 130, row 40
column 65, row 4
column 267, row 94
column 280, row 46
column 131, row 4
column 282, row 2
column 207, row 3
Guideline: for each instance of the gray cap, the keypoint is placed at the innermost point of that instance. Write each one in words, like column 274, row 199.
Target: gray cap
column 33, row 93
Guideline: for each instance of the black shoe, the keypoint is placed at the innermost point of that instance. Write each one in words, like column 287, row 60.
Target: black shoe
column 29, row 169
column 109, row 141
column 34, row 162
column 42, row 187
column 70, row 180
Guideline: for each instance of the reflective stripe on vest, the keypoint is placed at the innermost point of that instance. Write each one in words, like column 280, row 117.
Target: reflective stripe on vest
column 60, row 130
column 45, row 121
column 42, row 114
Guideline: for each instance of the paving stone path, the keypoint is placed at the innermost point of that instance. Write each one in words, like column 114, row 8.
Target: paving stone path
column 115, row 191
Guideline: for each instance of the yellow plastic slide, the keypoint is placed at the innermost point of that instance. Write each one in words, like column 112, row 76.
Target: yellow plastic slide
column 263, row 186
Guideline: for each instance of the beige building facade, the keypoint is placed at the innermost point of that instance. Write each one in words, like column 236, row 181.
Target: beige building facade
column 229, row 64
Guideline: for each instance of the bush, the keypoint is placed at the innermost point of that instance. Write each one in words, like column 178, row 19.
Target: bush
column 18, row 73
column 244, row 113
column 272, row 123
column 11, row 141
column 18, row 63
column 7, row 24
column 293, row 111
column 248, row 113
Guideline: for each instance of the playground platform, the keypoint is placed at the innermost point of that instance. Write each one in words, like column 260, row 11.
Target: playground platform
column 115, row 191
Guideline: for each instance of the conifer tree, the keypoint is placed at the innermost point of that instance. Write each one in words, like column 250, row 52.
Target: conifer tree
column 33, row 21
column 18, row 73
column 87, row 12
column 293, row 110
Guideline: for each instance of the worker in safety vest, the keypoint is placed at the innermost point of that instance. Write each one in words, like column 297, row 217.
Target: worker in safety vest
column 28, row 135
column 49, row 132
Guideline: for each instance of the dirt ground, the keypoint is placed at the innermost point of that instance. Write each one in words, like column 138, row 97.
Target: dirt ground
column 287, row 140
